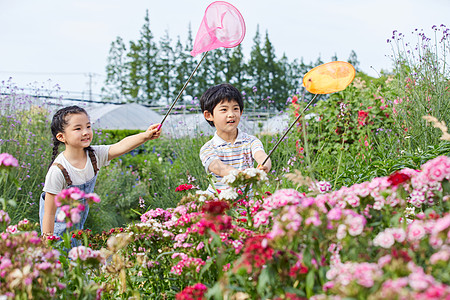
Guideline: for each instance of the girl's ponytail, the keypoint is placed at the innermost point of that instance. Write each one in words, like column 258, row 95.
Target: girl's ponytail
column 55, row 151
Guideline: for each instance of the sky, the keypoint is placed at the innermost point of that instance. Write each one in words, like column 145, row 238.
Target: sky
column 52, row 42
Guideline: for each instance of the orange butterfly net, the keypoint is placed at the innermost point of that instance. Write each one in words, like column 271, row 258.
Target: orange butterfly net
column 327, row 78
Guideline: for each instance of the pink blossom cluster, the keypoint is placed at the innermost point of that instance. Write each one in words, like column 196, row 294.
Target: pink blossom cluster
column 364, row 274
column 7, row 160
column 389, row 236
column 159, row 213
column 71, row 207
column 39, row 268
column 85, row 253
column 186, row 262
column 417, row 285
column 4, row 217
column 73, row 193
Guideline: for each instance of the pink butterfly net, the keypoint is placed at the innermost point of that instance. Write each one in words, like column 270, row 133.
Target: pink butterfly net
column 222, row 26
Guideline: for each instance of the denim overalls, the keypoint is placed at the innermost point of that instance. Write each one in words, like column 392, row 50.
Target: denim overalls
column 87, row 187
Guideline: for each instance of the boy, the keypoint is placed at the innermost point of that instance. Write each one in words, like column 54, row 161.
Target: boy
column 230, row 148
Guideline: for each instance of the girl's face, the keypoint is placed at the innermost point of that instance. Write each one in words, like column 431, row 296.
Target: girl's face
column 78, row 131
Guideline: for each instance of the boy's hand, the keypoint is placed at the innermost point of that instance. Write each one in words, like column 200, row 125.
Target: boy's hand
column 264, row 168
column 153, row 132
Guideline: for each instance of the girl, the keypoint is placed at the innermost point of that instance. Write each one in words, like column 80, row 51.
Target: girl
column 78, row 164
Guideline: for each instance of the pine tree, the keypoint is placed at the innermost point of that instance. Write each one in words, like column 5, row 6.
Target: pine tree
column 166, row 68
column 237, row 69
column 116, row 73
column 134, row 67
column 150, row 69
column 353, row 59
column 256, row 70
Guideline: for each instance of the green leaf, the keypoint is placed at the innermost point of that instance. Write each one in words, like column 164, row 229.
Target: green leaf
column 263, row 281
column 310, row 283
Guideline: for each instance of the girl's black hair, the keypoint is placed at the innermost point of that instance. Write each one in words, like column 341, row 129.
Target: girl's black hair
column 218, row 93
column 59, row 123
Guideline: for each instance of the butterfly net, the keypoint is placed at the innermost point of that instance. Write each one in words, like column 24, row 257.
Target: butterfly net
column 222, row 26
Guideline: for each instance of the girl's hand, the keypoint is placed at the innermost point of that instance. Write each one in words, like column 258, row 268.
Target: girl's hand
column 153, row 132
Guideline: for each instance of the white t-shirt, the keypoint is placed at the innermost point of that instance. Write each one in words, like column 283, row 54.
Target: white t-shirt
column 55, row 181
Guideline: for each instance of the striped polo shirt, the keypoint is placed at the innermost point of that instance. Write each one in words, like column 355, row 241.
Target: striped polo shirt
column 239, row 155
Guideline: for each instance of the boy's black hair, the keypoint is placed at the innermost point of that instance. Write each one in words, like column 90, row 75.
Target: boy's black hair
column 59, row 123
column 218, row 93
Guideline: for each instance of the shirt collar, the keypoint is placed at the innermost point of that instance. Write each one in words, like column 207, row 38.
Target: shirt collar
column 219, row 141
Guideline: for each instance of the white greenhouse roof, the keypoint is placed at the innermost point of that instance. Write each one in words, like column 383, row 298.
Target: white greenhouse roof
column 124, row 116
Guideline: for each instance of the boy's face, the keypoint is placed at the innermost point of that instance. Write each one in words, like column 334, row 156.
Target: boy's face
column 226, row 116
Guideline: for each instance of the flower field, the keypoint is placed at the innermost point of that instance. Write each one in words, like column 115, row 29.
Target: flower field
column 356, row 206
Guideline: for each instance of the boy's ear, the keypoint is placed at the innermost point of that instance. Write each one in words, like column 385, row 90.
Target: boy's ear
column 208, row 116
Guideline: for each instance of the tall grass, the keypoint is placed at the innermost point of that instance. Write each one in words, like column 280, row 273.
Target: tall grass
column 23, row 127
column 421, row 83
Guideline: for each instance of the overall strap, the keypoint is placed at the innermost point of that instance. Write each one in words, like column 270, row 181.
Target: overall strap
column 64, row 171
column 93, row 160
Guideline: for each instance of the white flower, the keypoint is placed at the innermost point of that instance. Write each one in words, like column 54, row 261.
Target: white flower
column 252, row 172
column 230, row 178
column 228, row 194
column 61, row 216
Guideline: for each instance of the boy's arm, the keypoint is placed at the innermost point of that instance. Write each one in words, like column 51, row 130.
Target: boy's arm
column 133, row 141
column 260, row 156
column 219, row 168
column 48, row 221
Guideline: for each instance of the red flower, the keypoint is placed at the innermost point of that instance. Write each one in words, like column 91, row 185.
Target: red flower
column 215, row 207
column 398, row 178
column 294, row 100
column 255, row 253
column 362, row 115
column 184, row 187
column 194, row 292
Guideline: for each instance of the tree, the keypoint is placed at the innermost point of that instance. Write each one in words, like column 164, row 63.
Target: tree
column 184, row 65
column 256, row 69
column 116, row 73
column 353, row 59
column 150, row 70
column 236, row 70
column 166, row 68
column 134, row 67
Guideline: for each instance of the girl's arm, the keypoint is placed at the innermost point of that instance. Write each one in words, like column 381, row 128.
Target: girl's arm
column 48, row 221
column 260, row 156
column 133, row 141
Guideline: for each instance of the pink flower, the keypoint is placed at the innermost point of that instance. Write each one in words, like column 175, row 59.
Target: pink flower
column 398, row 233
column 262, row 218
column 94, row 197
column 12, row 229
column 75, row 215
column 4, row 217
column 442, row 255
column 334, row 214
column 282, row 198
column 7, row 160
column 415, row 231
column 355, row 224
column 384, row 260
column 341, row 231
column 384, row 239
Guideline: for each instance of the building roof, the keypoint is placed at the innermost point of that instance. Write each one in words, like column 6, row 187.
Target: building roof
column 124, row 116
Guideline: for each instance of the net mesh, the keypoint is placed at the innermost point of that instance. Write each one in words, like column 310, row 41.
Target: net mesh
column 222, row 26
